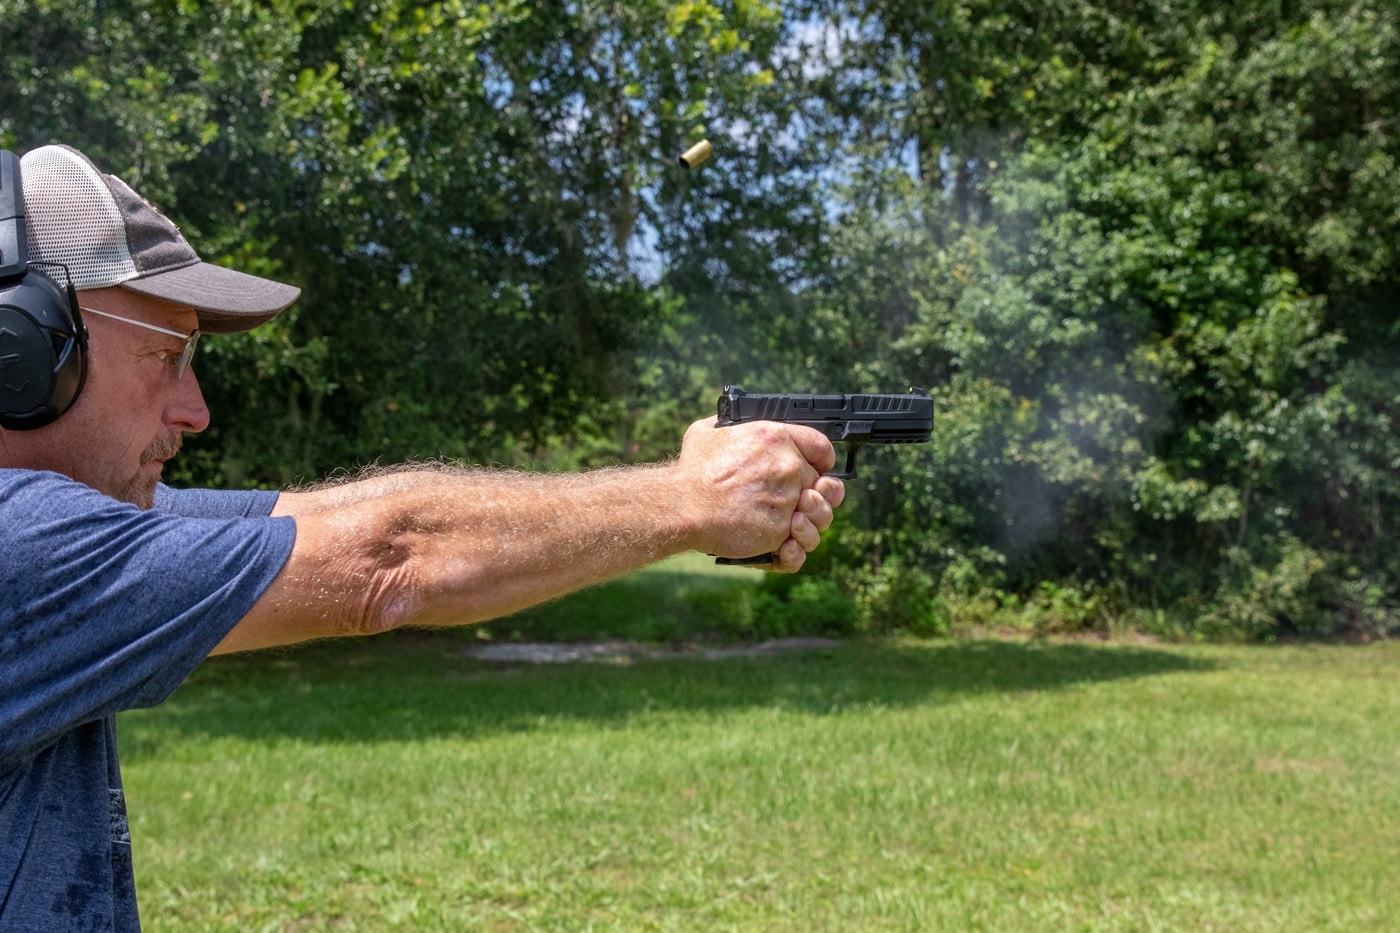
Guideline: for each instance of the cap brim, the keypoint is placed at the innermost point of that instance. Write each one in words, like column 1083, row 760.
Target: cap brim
column 227, row 301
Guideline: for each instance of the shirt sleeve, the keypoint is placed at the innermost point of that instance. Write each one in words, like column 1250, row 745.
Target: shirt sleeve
column 105, row 607
column 216, row 503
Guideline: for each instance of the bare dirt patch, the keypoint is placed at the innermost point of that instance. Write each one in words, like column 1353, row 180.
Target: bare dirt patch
column 628, row 652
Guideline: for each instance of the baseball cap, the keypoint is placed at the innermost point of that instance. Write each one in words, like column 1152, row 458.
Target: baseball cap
column 106, row 234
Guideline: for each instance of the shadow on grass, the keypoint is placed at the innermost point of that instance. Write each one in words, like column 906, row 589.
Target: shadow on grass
column 422, row 685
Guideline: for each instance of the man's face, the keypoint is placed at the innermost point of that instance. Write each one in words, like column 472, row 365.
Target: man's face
column 133, row 410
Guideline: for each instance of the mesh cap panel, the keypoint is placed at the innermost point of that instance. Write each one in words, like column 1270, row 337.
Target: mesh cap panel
column 73, row 220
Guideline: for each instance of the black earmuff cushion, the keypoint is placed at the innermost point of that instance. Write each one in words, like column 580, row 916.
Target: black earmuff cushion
column 43, row 345
column 43, row 360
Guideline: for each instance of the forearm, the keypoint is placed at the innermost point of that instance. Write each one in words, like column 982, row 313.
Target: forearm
column 486, row 544
column 457, row 546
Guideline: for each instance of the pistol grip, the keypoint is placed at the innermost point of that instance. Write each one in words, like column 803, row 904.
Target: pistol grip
column 754, row 561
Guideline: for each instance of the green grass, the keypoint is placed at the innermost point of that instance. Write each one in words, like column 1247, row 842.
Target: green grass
column 394, row 783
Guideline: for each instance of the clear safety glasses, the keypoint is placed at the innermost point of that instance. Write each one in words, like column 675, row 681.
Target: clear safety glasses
column 181, row 362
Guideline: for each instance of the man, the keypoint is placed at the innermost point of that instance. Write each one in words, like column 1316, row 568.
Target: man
column 113, row 587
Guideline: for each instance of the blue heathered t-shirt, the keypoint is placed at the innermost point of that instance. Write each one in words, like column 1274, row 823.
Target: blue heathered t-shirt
column 103, row 607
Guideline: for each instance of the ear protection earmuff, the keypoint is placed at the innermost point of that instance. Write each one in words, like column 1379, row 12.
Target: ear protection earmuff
column 43, row 344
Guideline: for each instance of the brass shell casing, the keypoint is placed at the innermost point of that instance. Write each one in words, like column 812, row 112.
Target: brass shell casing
column 696, row 154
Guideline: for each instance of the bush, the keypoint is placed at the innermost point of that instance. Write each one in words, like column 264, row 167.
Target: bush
column 900, row 596
column 1073, row 607
column 1357, row 606
column 1256, row 600
column 785, row 606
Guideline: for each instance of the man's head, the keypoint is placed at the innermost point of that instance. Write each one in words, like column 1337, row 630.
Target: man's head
column 146, row 291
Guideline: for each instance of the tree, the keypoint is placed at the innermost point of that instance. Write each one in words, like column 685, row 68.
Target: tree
column 1156, row 242
column 465, row 193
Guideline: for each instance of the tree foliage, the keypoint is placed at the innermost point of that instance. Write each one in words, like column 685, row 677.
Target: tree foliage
column 1145, row 254
column 1159, row 252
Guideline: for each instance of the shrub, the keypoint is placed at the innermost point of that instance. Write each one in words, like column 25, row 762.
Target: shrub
column 900, row 596
column 1255, row 600
column 785, row 606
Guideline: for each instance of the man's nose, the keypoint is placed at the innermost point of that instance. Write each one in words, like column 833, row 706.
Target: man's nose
column 186, row 410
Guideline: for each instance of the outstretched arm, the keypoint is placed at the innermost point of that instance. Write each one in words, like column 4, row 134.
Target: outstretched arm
column 455, row 546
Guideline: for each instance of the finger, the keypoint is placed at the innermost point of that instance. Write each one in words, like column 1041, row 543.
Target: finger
column 818, row 511
column 790, row 557
column 815, row 446
column 804, row 532
column 832, row 490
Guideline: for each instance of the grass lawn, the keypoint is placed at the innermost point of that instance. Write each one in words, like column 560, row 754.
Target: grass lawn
column 395, row 783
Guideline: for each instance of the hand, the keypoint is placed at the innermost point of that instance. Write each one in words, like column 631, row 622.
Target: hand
column 757, row 488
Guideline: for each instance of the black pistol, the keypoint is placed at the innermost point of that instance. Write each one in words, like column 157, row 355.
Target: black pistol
column 853, row 420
